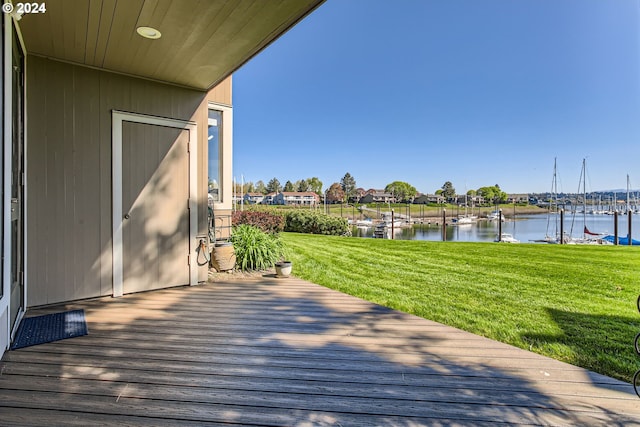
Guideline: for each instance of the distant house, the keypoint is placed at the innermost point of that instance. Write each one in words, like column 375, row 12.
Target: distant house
column 253, row 198
column 377, row 196
column 268, row 199
column 424, row 199
column 358, row 194
column 477, row 200
column 305, row 198
column 470, row 200
column 518, row 198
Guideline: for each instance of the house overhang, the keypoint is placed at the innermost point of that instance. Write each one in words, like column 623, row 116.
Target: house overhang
column 201, row 43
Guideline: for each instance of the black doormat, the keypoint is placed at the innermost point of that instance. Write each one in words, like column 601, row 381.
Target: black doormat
column 50, row 327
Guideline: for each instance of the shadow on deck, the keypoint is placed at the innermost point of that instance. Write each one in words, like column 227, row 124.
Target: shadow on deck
column 270, row 351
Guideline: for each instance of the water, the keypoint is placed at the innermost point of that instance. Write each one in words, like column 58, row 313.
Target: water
column 526, row 228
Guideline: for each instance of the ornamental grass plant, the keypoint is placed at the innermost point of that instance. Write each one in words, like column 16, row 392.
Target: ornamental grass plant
column 255, row 249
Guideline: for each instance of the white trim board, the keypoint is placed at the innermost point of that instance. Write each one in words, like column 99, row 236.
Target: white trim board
column 11, row 26
column 118, row 117
column 226, row 155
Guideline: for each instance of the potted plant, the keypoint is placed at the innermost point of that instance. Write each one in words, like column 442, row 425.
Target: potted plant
column 283, row 268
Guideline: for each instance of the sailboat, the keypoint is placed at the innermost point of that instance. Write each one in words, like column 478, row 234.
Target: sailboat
column 624, row 240
column 553, row 211
column 465, row 219
column 629, row 207
column 588, row 237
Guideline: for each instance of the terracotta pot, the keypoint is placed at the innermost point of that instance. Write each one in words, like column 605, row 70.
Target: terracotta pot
column 223, row 257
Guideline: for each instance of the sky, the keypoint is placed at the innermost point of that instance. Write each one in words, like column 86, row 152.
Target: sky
column 475, row 92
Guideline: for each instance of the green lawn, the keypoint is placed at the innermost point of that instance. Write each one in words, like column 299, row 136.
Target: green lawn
column 573, row 303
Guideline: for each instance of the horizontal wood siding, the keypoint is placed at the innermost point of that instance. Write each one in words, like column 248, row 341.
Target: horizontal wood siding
column 69, row 170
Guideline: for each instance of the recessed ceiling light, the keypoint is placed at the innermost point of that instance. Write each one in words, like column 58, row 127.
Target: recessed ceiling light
column 148, row 32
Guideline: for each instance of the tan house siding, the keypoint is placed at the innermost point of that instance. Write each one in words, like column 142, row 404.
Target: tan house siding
column 221, row 93
column 69, row 169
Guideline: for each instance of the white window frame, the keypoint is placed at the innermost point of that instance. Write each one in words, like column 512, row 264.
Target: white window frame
column 225, row 155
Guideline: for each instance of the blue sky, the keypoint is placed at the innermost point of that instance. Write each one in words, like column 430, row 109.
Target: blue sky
column 476, row 92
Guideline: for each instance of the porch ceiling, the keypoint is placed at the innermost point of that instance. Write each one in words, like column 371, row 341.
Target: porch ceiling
column 202, row 41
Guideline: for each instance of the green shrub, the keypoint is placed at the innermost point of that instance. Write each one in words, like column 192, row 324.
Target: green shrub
column 255, row 249
column 303, row 221
column 266, row 221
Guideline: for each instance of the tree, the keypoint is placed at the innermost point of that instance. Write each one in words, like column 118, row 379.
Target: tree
column 303, row 185
column 448, row 192
column 402, row 191
column 335, row 193
column 348, row 184
column 315, row 185
column 260, row 187
column 288, row 186
column 274, row 186
column 492, row 194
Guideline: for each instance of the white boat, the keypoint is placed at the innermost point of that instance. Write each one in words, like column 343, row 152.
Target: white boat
column 587, row 237
column 494, row 216
column 364, row 223
column 552, row 235
column 465, row 220
column 389, row 224
column 506, row 238
column 384, row 228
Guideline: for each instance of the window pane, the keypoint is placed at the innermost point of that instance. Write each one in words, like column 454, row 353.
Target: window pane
column 214, row 169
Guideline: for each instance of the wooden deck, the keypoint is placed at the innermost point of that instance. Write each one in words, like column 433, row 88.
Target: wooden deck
column 270, row 351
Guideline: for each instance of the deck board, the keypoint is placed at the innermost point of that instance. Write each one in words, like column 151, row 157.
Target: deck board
column 287, row 352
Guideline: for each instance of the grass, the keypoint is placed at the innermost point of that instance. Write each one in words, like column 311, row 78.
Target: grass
column 572, row 303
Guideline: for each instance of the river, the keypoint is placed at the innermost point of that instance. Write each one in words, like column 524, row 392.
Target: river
column 526, row 228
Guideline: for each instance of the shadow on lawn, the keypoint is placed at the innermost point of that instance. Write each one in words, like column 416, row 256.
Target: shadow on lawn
column 600, row 343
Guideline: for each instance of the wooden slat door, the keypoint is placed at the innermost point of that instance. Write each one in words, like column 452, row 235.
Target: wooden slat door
column 155, row 196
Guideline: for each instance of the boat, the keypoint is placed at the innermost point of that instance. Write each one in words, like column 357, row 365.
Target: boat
column 588, row 237
column 365, row 223
column 553, row 238
column 622, row 241
column 591, row 238
column 384, row 228
column 495, row 215
column 464, row 220
column 506, row 238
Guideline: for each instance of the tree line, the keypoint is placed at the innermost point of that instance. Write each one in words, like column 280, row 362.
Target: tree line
column 491, row 194
column 345, row 189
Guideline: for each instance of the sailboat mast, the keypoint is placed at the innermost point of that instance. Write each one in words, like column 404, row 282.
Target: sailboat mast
column 584, row 197
column 553, row 200
column 628, row 206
